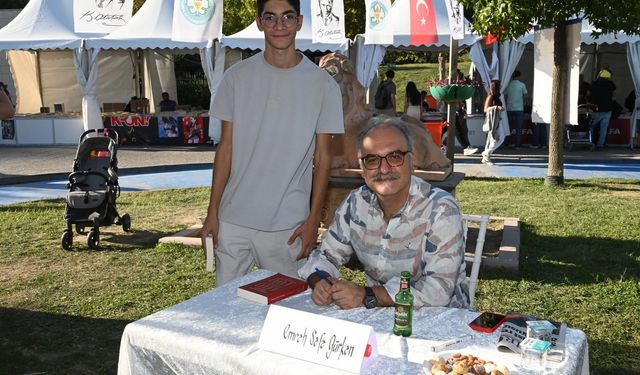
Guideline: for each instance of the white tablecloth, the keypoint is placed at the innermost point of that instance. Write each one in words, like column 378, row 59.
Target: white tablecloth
column 217, row 333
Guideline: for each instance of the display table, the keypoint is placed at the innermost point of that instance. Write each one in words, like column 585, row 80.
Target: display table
column 620, row 132
column 217, row 333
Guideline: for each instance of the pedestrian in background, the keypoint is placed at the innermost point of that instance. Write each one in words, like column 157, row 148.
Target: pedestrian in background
column 602, row 91
column 515, row 95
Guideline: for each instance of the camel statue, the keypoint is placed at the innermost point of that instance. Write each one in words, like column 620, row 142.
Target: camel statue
column 426, row 155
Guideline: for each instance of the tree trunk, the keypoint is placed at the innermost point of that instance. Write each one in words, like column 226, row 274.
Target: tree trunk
column 555, row 169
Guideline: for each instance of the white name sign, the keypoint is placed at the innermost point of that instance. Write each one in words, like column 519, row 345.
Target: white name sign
column 319, row 339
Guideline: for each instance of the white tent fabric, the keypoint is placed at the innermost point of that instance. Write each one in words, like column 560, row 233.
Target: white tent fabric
column 27, row 84
column 86, row 61
column 150, row 27
column 253, row 39
column 633, row 56
column 210, row 55
column 368, row 58
column 400, row 15
column 42, row 24
column 159, row 76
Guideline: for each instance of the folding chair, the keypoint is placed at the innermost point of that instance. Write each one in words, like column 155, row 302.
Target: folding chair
column 476, row 259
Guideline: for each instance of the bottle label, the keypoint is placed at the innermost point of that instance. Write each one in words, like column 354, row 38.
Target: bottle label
column 402, row 316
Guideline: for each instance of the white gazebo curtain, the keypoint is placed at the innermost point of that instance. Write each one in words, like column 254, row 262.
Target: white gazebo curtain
column 86, row 62
column 213, row 61
column 633, row 58
column 368, row 58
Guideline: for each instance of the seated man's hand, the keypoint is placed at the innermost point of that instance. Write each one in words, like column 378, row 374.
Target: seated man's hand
column 322, row 294
column 348, row 295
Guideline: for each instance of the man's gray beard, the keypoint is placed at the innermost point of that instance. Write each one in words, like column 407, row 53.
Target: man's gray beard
column 384, row 177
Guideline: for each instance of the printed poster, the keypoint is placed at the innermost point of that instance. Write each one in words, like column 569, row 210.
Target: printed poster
column 455, row 11
column 378, row 28
column 193, row 130
column 100, row 16
column 327, row 22
column 168, row 126
column 196, row 20
column 8, row 129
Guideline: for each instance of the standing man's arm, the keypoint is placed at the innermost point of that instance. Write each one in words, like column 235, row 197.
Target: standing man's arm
column 6, row 107
column 308, row 231
column 221, row 172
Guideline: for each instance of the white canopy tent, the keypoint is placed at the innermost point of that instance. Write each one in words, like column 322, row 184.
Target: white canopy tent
column 369, row 56
column 140, row 33
column 46, row 25
column 253, row 39
column 611, row 50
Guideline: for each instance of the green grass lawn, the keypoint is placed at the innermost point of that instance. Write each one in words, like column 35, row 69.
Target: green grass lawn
column 64, row 312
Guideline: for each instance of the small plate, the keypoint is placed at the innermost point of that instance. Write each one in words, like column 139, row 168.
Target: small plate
column 500, row 359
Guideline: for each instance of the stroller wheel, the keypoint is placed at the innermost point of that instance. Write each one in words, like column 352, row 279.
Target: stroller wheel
column 80, row 229
column 126, row 222
column 93, row 239
column 67, row 240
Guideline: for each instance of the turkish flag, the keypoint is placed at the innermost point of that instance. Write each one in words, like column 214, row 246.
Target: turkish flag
column 423, row 22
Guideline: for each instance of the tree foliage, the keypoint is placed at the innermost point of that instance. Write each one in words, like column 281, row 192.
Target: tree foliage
column 509, row 19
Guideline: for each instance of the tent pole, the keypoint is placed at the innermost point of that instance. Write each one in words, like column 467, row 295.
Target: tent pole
column 39, row 76
column 451, row 112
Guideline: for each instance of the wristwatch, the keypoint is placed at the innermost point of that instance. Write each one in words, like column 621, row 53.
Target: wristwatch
column 370, row 301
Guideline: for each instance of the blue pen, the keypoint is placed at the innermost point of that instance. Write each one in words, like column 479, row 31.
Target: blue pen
column 323, row 275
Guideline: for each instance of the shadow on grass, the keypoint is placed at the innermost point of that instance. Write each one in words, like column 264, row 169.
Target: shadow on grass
column 572, row 260
column 37, row 342
column 123, row 242
column 622, row 185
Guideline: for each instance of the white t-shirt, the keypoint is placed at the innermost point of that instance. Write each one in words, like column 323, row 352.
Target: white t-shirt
column 275, row 114
column 515, row 92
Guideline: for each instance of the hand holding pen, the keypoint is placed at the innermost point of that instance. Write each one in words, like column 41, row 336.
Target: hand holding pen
column 324, row 276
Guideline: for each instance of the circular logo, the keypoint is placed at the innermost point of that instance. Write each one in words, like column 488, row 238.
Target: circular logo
column 197, row 12
column 378, row 15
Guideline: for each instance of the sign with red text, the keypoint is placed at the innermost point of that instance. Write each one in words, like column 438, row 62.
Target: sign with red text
column 319, row 339
column 100, row 16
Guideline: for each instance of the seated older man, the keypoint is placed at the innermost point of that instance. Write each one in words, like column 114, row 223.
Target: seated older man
column 396, row 222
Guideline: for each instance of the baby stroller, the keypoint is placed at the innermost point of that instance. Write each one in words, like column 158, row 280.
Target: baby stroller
column 580, row 134
column 93, row 188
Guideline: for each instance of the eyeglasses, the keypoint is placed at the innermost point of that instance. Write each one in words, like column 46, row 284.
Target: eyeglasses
column 288, row 19
column 394, row 159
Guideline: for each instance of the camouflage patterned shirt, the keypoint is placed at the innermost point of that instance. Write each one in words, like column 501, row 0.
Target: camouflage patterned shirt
column 426, row 238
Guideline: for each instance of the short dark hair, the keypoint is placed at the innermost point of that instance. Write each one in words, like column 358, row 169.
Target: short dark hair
column 294, row 3
column 516, row 74
column 165, row 93
column 385, row 122
column 390, row 73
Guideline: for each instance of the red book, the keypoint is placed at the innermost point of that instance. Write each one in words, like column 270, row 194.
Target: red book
column 272, row 289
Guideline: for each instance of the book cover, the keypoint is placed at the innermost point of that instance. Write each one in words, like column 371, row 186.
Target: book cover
column 272, row 289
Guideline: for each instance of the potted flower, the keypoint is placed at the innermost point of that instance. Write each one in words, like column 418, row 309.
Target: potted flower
column 460, row 91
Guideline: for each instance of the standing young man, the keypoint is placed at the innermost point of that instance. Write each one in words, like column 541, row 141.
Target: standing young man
column 278, row 112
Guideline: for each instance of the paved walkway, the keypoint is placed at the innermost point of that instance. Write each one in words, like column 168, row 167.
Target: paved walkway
column 35, row 173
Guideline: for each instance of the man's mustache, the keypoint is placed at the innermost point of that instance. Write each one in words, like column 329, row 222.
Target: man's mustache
column 385, row 176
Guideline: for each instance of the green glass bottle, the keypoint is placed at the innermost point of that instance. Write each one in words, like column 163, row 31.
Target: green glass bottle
column 404, row 307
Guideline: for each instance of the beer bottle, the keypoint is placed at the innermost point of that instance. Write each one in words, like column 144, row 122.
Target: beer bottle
column 403, row 307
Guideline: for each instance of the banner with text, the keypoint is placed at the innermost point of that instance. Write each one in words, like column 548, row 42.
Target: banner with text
column 100, row 16
column 319, row 339
column 327, row 21
column 196, row 20
column 455, row 11
column 378, row 28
